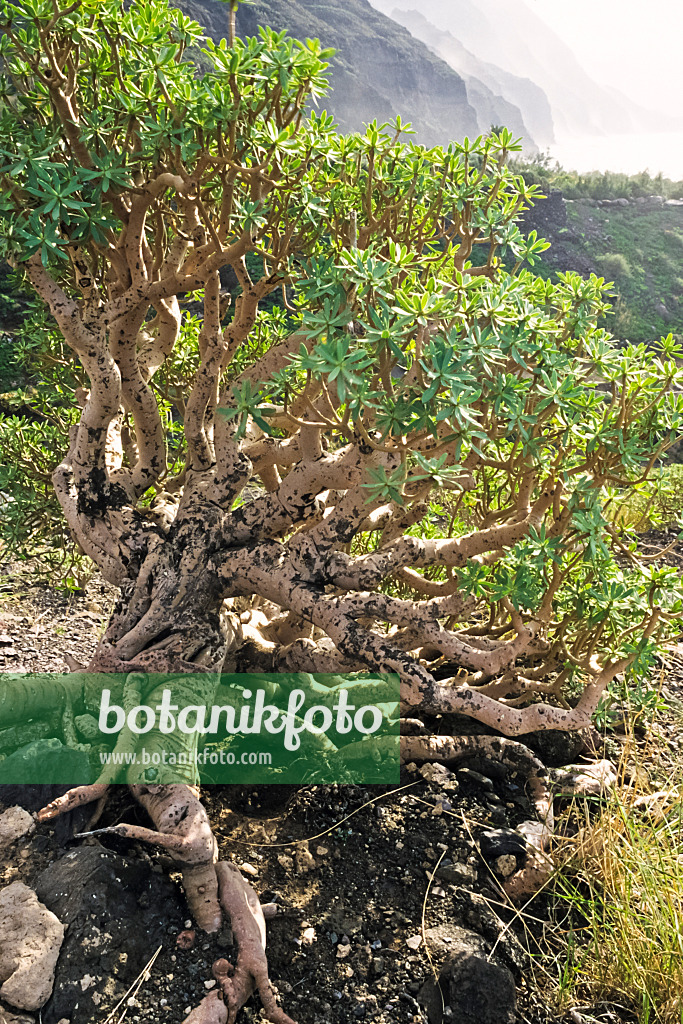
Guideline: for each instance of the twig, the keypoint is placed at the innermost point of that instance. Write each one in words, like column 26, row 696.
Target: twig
column 424, row 914
column 133, row 990
column 300, row 842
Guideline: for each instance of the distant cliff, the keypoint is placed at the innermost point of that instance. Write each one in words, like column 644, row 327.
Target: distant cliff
column 379, row 70
column 513, row 37
column 498, row 96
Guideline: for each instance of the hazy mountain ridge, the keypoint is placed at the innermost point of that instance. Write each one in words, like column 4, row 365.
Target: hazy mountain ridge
column 512, row 37
column 512, row 94
column 380, row 69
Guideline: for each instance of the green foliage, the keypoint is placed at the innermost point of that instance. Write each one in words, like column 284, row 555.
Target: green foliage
column 650, row 504
column 51, row 191
column 546, row 172
column 614, row 265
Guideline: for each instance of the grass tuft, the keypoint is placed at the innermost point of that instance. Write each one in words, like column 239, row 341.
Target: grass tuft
column 619, row 903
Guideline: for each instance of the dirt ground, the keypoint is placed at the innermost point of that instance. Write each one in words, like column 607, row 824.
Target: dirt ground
column 375, row 886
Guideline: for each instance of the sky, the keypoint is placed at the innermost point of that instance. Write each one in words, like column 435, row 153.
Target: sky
column 636, row 46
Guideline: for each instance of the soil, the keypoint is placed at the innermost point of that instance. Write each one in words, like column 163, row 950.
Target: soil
column 360, row 875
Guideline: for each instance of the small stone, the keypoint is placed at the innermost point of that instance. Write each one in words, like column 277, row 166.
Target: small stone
column 505, row 865
column 308, row 937
column 414, row 942
column 208, row 985
column 469, row 775
column 457, row 874
column 15, row 822
column 248, row 869
column 30, row 941
column 497, row 842
column 343, row 952
column 321, row 851
column 285, row 861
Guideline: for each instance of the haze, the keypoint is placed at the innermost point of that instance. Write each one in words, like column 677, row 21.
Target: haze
column 611, row 70
column 633, row 46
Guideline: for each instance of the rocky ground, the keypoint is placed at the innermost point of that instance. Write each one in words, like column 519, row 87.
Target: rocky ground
column 380, row 891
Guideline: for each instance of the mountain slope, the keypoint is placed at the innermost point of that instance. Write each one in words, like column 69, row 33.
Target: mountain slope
column 379, row 69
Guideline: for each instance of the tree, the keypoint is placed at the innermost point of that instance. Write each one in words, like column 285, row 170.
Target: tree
column 404, row 463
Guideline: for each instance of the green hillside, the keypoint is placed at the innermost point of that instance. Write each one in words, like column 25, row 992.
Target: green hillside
column 639, row 247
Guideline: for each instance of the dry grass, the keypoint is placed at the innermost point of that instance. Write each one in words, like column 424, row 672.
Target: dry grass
column 620, row 904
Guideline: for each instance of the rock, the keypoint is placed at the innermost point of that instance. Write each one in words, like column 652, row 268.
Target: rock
column 546, row 215
column 30, row 941
column 505, row 865
column 476, row 990
column 469, row 775
column 655, row 804
column 15, row 822
column 414, row 942
column 6, row 1017
column 457, row 874
column 438, row 774
column 118, row 912
column 596, row 779
column 555, row 747
column 452, row 940
column 536, row 833
column 46, row 762
column 498, row 842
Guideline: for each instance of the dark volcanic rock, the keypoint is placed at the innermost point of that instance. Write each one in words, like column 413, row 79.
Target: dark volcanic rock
column 547, row 215
column 46, row 762
column 476, row 990
column 501, row 841
column 117, row 912
column 555, row 747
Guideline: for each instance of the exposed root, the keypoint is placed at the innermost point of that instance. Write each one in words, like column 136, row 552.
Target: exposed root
column 452, row 749
column 74, row 798
column 237, row 984
column 211, row 1010
column 182, row 828
column 247, row 921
